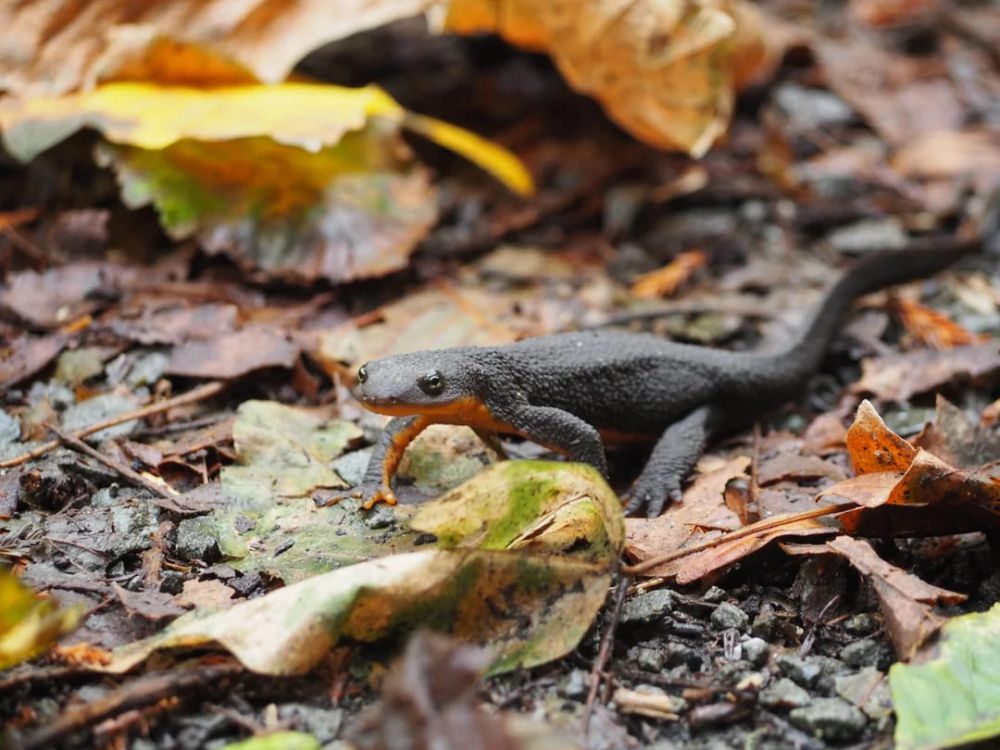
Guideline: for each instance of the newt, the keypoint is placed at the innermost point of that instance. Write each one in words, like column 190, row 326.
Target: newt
column 571, row 391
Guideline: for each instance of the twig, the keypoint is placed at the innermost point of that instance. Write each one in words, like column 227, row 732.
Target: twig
column 604, row 652
column 772, row 523
column 167, row 498
column 137, row 694
column 195, row 394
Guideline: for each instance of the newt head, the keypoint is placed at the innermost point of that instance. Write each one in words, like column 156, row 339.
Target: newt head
column 429, row 382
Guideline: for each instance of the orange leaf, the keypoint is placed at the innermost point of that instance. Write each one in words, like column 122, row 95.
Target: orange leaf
column 873, row 446
column 665, row 281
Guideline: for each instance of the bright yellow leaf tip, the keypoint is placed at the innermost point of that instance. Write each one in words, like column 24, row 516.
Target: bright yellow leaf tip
column 307, row 115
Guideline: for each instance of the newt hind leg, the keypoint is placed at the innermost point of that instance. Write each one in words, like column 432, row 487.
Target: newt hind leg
column 673, row 457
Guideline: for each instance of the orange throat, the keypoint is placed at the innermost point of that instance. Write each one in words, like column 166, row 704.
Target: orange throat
column 468, row 410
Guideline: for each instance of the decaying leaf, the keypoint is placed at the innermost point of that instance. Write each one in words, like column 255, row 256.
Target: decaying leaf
column 898, row 377
column 434, row 318
column 905, row 599
column 283, row 451
column 951, row 698
column 233, row 354
column 893, row 472
column 665, row 71
column 29, row 625
column 955, row 438
column 26, row 355
column 277, row 741
column 932, row 328
column 529, row 585
column 664, row 281
column 873, row 447
column 701, row 564
column 700, row 516
column 429, row 696
column 304, row 181
column 54, row 46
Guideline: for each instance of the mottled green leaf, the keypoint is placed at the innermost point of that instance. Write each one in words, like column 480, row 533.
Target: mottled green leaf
column 953, row 698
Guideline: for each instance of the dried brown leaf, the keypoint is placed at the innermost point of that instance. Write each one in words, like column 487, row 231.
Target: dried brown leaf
column 955, row 438
column 905, row 599
column 234, row 354
column 933, row 328
column 26, row 355
column 873, row 447
column 55, row 46
column 701, row 564
column 898, row 377
column 700, row 516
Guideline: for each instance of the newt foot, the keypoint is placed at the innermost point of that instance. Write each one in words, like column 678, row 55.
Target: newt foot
column 368, row 493
column 652, row 493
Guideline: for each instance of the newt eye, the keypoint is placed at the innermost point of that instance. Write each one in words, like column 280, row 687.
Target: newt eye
column 362, row 374
column 432, row 383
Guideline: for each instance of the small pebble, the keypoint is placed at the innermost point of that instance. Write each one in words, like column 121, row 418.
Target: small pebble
column 861, row 624
column 830, row 719
column 648, row 607
column 576, row 685
column 784, row 695
column 714, row 595
column 728, row 616
column 864, row 653
column 756, row 651
column 805, row 672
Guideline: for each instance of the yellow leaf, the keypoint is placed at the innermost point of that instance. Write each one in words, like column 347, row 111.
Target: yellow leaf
column 29, row 625
column 306, row 115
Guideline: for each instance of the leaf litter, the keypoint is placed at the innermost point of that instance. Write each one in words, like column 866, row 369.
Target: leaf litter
column 73, row 529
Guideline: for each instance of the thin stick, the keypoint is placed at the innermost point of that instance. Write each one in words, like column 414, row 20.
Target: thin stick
column 138, row 694
column 604, row 653
column 771, row 523
column 195, row 394
column 125, row 472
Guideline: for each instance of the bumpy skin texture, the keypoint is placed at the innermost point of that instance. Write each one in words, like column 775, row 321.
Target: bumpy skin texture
column 563, row 391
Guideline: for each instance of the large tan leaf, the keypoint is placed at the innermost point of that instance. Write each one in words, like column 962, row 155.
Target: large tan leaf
column 665, row 70
column 54, row 46
column 525, row 573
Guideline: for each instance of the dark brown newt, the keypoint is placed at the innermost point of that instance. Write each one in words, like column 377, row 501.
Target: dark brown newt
column 564, row 391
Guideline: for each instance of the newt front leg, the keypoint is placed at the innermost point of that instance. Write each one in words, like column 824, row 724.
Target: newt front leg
column 377, row 483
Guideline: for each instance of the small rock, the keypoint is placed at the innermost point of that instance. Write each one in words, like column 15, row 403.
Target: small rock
column 322, row 723
column 765, row 623
column 868, row 690
column 134, row 523
column 830, row 719
column 728, row 616
column 10, row 428
column 381, row 516
column 714, row 595
column 649, row 659
column 863, row 653
column 718, row 714
column 678, row 654
column 812, row 108
column 784, row 695
column 805, row 672
column 576, row 685
column 195, row 541
column 352, row 466
column 756, row 651
column 868, row 235
column 648, row 608
column 861, row 624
